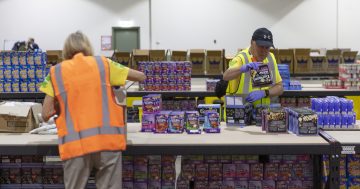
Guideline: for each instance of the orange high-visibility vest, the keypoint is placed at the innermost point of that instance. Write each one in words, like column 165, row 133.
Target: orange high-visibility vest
column 89, row 119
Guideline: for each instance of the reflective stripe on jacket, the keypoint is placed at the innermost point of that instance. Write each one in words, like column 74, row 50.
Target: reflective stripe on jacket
column 89, row 119
column 245, row 85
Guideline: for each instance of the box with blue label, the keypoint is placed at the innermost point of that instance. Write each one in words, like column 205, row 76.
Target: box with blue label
column 204, row 108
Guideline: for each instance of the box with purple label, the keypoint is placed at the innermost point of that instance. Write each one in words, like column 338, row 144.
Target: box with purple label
column 192, row 122
column 151, row 103
column 162, row 121
column 255, row 184
column 215, row 172
column 176, row 122
column 229, row 171
column 148, row 123
column 212, row 122
column 261, row 77
column 202, row 172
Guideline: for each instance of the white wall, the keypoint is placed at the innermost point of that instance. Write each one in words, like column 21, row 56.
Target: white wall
column 185, row 24
column 51, row 21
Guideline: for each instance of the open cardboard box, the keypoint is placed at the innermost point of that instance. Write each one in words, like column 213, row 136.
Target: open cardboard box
column 123, row 58
column 197, row 58
column 333, row 58
column 286, row 56
column 178, row 55
column 19, row 117
column 302, row 61
column 349, row 57
column 157, row 55
column 214, row 62
column 138, row 56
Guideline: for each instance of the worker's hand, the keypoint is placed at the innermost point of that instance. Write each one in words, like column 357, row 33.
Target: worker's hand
column 247, row 67
column 255, row 95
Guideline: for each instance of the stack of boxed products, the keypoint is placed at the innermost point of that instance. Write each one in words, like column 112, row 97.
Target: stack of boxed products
column 240, row 171
column 166, row 76
column 349, row 171
column 334, row 112
column 157, row 120
column 349, row 78
column 31, row 172
column 21, row 71
column 285, row 75
column 211, row 84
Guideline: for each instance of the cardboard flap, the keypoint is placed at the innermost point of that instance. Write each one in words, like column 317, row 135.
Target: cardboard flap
column 19, row 109
column 36, row 109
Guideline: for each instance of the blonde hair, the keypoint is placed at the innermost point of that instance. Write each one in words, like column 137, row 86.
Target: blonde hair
column 77, row 43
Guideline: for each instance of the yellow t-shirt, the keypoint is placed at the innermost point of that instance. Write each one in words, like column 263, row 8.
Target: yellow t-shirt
column 118, row 75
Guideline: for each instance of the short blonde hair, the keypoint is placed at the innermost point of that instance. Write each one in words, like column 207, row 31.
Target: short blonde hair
column 77, row 43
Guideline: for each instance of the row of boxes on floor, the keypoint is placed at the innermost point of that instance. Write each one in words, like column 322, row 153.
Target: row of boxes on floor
column 22, row 71
column 349, row 171
column 218, row 172
column 166, row 76
column 334, row 112
column 154, row 119
column 272, row 118
column 349, row 78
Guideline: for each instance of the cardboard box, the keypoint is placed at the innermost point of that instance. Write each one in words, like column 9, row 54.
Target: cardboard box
column 138, row 56
column 54, row 56
column 349, row 57
column 286, row 56
column 19, row 117
column 227, row 61
column 333, row 58
column 214, row 62
column 318, row 64
column 302, row 61
column 275, row 52
column 157, row 55
column 123, row 58
column 178, row 55
column 197, row 58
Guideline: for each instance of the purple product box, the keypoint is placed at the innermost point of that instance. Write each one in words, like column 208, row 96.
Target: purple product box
column 140, row 173
column 229, row 172
column 295, row 184
column 31, row 173
column 53, row 174
column 151, row 103
column 271, row 171
column 282, row 184
column 182, row 184
column 140, row 185
column 215, row 184
column 154, row 184
column 161, row 121
column 201, row 172
column 10, row 173
column 168, row 174
column 188, row 172
column 127, row 172
column 255, row 184
column 308, row 184
column 212, row 122
column 256, row 171
column 241, row 184
column 192, row 122
column 284, row 173
column 261, row 77
column 176, row 122
column 230, row 184
column 242, row 171
column 148, row 123
column 215, row 172
column 201, row 185
column 128, row 185
column 268, row 184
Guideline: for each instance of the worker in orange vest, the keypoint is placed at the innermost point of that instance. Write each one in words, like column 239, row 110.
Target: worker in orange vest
column 90, row 124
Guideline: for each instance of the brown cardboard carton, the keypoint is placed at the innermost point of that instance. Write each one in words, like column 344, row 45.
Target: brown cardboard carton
column 317, row 58
column 214, row 62
column 138, row 56
column 275, row 53
column 349, row 57
column 286, row 56
column 19, row 117
column 157, row 55
column 227, row 61
column 123, row 58
column 197, row 58
column 178, row 55
column 302, row 61
column 333, row 58
column 54, row 56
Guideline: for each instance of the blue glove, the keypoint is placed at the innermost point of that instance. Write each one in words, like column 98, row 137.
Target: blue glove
column 247, row 67
column 255, row 95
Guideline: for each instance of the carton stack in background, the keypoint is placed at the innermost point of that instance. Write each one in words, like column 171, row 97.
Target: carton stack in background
column 348, row 57
column 178, row 55
column 197, row 58
column 318, row 61
column 227, row 60
column 214, row 62
column 302, row 61
column 286, row 56
column 139, row 56
column 333, row 58
column 157, row 55
column 123, row 58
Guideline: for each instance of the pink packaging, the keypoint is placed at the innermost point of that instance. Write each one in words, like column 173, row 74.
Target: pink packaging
column 242, row 171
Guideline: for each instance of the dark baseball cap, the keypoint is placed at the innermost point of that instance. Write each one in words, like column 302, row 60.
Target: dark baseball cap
column 263, row 37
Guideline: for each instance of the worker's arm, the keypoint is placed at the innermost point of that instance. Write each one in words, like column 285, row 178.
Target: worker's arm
column 48, row 109
column 135, row 75
column 276, row 90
